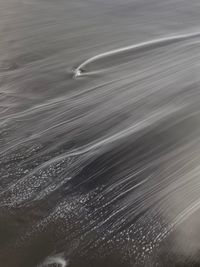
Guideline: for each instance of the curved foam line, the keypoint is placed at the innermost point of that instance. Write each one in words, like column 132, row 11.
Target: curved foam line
column 54, row 260
column 157, row 42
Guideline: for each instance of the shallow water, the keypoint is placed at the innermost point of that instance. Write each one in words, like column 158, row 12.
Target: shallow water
column 99, row 136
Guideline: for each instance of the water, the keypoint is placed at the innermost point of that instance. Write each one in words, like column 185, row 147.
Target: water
column 99, row 136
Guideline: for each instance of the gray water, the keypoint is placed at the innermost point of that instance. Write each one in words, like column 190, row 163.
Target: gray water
column 100, row 133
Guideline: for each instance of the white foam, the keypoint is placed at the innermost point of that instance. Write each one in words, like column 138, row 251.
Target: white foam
column 56, row 259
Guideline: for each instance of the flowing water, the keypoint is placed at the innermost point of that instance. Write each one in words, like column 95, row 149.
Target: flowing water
column 99, row 133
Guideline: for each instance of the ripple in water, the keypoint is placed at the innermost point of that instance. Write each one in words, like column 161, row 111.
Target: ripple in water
column 103, row 169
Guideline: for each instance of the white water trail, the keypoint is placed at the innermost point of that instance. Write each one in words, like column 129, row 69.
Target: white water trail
column 147, row 44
